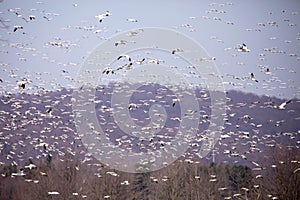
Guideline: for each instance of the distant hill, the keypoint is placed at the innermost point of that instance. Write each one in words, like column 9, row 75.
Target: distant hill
column 35, row 126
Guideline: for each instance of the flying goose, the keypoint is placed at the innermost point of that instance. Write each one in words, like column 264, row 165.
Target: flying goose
column 282, row 106
column 176, row 50
column 243, row 48
column 253, row 78
column 17, row 27
column 125, row 56
column 132, row 20
column 102, row 16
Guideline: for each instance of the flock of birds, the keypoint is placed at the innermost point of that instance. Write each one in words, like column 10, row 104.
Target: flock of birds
column 214, row 14
column 52, row 114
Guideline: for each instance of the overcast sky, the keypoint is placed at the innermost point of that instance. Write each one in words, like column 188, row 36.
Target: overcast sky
column 268, row 28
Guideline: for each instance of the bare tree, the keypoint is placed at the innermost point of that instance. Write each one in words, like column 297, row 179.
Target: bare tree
column 282, row 176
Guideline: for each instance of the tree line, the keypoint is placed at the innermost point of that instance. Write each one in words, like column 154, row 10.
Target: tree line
column 277, row 178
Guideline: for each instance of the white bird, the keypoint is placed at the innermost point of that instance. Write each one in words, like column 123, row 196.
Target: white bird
column 17, row 27
column 98, row 31
column 53, row 193
column 153, row 60
column 132, row 106
column 19, row 173
column 176, row 50
column 268, row 71
column 259, row 176
column 174, row 101
column 282, row 106
column 31, row 17
column 100, row 17
column 125, row 183
column 112, row 173
column 22, row 84
column 128, row 66
column 107, row 13
column 120, row 42
column 43, row 173
column 108, row 70
column 132, row 20
column 47, row 18
column 49, row 112
column 30, row 166
column 253, row 78
column 125, row 56
column 139, row 62
column 243, row 48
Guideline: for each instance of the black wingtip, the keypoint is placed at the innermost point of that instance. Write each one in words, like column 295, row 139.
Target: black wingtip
column 289, row 101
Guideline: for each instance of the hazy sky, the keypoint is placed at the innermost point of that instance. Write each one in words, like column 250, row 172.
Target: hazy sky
column 268, row 28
